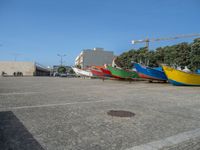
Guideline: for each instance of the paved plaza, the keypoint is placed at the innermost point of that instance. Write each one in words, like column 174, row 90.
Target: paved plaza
column 47, row 113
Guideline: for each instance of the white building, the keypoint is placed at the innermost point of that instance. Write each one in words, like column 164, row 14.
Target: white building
column 96, row 56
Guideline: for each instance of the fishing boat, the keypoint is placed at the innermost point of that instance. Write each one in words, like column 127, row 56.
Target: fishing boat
column 106, row 72
column 178, row 77
column 121, row 73
column 81, row 72
column 198, row 71
column 96, row 72
column 150, row 73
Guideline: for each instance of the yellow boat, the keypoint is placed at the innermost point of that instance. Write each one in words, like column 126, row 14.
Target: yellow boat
column 177, row 77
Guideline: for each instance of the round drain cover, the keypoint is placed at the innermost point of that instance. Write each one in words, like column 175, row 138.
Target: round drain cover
column 120, row 113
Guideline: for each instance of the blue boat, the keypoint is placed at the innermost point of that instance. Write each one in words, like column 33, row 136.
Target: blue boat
column 198, row 71
column 150, row 73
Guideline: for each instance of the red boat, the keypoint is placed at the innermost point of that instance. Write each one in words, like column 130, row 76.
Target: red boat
column 106, row 72
column 97, row 72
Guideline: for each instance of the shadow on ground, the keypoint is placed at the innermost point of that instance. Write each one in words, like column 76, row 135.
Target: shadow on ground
column 14, row 135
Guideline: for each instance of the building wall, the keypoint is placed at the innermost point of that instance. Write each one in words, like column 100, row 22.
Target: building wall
column 96, row 57
column 9, row 67
column 79, row 60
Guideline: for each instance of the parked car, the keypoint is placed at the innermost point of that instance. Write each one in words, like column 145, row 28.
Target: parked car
column 55, row 74
column 63, row 74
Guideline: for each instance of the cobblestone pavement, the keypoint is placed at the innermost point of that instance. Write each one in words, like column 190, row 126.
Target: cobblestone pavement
column 71, row 114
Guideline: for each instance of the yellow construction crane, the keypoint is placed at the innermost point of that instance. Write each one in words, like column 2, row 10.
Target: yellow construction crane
column 163, row 39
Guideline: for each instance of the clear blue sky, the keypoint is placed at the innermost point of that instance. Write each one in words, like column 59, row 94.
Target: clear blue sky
column 39, row 29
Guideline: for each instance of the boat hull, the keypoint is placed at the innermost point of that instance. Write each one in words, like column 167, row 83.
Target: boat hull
column 81, row 72
column 150, row 73
column 122, row 74
column 180, row 78
column 106, row 72
column 97, row 72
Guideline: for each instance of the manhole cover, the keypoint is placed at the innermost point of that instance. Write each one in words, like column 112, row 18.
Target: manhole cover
column 120, row 113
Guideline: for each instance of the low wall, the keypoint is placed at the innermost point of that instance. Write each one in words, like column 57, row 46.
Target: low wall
column 9, row 67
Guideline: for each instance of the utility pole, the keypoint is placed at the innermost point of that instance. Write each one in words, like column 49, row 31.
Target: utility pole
column 61, row 58
column 16, row 55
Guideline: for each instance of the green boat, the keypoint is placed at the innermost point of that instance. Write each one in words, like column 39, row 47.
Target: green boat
column 122, row 74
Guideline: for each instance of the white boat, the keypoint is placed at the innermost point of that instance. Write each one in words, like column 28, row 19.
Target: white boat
column 81, row 72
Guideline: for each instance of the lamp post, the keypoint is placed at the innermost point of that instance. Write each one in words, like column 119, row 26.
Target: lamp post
column 16, row 55
column 61, row 58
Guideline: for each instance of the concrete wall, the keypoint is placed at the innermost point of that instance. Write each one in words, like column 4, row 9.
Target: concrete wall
column 9, row 67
